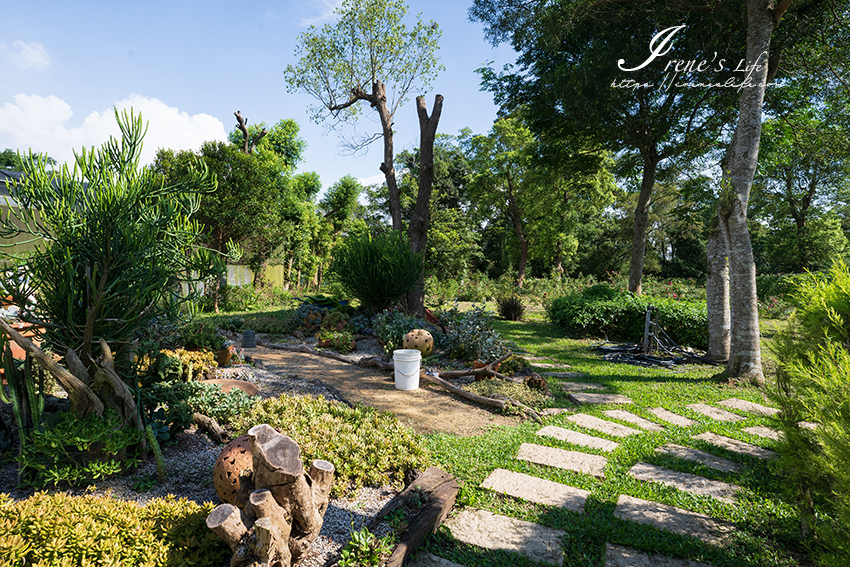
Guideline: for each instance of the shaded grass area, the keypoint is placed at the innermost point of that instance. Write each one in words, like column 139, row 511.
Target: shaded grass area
column 766, row 526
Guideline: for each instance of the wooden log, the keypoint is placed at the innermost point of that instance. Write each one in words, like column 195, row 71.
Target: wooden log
column 270, row 545
column 489, row 370
column 440, row 490
column 502, row 404
column 211, row 426
column 322, row 475
column 264, row 505
column 277, row 458
column 230, row 523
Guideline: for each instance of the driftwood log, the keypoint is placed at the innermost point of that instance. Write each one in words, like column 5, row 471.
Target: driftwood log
column 281, row 507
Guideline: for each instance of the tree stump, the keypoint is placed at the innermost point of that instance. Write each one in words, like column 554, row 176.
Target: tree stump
column 280, row 508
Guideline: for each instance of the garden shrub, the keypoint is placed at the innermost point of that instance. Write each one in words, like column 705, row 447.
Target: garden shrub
column 227, row 408
column 272, row 324
column 201, row 335
column 778, row 285
column 182, row 364
column 519, row 392
column 367, row 447
column 391, row 326
column 619, row 315
column 812, row 386
column 510, row 307
column 377, row 268
column 470, row 335
column 58, row 529
column 249, row 297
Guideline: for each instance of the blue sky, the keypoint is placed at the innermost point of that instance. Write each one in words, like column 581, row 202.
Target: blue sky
column 189, row 65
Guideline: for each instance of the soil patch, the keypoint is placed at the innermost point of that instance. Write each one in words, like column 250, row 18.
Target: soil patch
column 426, row 410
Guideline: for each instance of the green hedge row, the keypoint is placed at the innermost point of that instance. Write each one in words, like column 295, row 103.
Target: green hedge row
column 601, row 311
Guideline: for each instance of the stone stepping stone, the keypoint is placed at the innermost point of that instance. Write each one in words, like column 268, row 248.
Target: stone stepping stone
column 425, row 559
column 578, row 438
column 537, row 490
column 549, row 365
column 553, row 411
column 751, row 407
column 618, row 556
column 686, row 482
column 585, row 398
column 491, row 531
column 536, row 358
column 602, row 425
column 671, row 519
column 671, row 417
column 763, row 431
column 566, row 375
column 577, row 386
column 563, row 459
column 707, row 459
column 735, row 446
column 714, row 413
column 624, row 415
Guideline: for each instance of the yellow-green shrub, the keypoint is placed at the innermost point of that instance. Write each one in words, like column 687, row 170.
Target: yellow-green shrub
column 367, row 447
column 58, row 529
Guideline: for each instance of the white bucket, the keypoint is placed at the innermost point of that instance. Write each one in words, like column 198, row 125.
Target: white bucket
column 406, row 362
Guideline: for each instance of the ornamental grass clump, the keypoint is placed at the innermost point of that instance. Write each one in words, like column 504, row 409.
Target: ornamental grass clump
column 367, row 447
column 377, row 268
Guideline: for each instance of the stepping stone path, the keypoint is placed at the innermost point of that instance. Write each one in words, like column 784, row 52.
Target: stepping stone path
column 562, row 459
column 577, row 438
column 602, row 425
column 671, row 417
column 532, row 358
column 763, row 431
column 577, row 386
column 617, row 556
column 549, row 365
column 671, row 519
column 692, row 483
column 537, row 490
column 583, row 398
column 424, row 559
column 751, row 407
column 624, row 415
column 707, row 459
column 714, row 413
column 735, row 446
column 491, row 531
column 564, row 374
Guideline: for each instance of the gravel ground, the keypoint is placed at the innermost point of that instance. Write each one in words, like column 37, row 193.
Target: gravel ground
column 189, row 463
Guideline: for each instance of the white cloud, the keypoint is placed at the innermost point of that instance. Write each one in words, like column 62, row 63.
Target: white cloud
column 374, row 180
column 41, row 123
column 23, row 55
column 326, row 11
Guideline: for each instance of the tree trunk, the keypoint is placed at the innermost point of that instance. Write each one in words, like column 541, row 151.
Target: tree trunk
column 738, row 171
column 516, row 216
column 417, row 232
column 379, row 101
column 641, row 219
column 717, row 296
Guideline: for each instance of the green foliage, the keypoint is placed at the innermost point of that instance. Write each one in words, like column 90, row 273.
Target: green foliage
column 391, row 326
column 24, row 390
column 164, row 407
column 618, row 315
column 78, row 450
column 115, row 244
column 519, row 392
column 272, row 324
column 778, row 285
column 157, row 453
column 58, row 529
column 365, row 549
column 470, row 335
column 510, row 307
column 200, row 334
column 367, row 447
column 227, row 408
column 339, row 341
column 183, row 365
column 377, row 269
column 811, row 386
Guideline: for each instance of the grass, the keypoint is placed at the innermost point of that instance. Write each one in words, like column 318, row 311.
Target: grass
column 766, row 525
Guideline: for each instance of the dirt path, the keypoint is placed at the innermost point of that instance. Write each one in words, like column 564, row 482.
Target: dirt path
column 426, row 410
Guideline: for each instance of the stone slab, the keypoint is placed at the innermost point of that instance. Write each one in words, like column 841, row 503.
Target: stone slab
column 549, row 365
column 425, row 559
column 687, row 482
column 618, row 556
column 671, row 417
column 586, row 398
column 537, row 490
column 553, row 411
column 563, row 459
column 532, row 358
column 707, row 459
column 714, row 413
column 763, row 431
column 751, row 407
column 671, row 519
column 735, row 446
column 602, row 425
column 637, row 420
column 492, row 531
column 575, row 386
column 578, row 438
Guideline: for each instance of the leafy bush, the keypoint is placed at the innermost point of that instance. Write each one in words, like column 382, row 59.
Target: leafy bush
column 391, row 326
column 510, row 307
column 470, row 335
column 361, row 325
column 95, row 530
column 339, row 341
column 377, row 269
column 520, row 392
column 811, row 386
column 367, row 447
column 227, row 408
column 78, row 450
column 201, row 335
column 621, row 316
column 778, row 285
column 181, row 364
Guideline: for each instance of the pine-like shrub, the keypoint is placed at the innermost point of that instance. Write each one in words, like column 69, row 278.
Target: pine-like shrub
column 377, row 268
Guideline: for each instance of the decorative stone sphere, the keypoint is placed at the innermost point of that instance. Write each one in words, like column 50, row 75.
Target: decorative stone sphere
column 234, row 458
column 419, row 339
